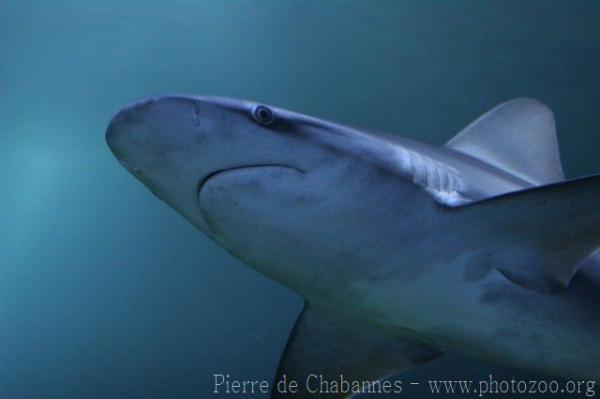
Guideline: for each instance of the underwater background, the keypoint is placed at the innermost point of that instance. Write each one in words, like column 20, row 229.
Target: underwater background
column 105, row 292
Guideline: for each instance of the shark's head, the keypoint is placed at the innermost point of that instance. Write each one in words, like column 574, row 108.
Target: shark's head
column 259, row 180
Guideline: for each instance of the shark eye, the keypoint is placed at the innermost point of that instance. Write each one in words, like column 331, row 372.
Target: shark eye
column 263, row 115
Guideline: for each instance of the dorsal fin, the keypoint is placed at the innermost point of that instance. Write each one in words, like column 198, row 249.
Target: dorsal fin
column 517, row 136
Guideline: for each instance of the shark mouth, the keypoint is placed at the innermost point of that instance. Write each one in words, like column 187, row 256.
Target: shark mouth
column 219, row 172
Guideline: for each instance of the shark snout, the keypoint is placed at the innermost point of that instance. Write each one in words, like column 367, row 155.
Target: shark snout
column 124, row 126
column 156, row 140
column 146, row 129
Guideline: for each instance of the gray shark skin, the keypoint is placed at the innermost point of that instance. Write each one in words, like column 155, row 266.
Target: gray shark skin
column 402, row 250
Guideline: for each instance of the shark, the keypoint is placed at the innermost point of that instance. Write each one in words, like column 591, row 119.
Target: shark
column 401, row 250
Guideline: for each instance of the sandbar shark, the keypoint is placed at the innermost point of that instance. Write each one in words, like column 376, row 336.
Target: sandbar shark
column 402, row 250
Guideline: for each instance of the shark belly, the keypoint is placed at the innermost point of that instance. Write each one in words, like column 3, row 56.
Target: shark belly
column 490, row 318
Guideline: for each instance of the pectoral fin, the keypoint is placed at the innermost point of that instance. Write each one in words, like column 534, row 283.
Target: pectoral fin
column 551, row 230
column 325, row 346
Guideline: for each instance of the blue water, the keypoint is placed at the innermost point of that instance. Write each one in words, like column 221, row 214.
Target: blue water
column 105, row 292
